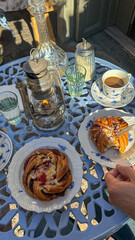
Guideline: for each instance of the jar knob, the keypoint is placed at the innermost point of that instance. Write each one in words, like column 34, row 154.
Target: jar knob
column 84, row 43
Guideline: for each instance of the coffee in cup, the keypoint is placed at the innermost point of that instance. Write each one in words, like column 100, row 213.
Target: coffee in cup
column 114, row 82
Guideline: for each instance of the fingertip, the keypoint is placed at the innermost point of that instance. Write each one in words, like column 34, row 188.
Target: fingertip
column 126, row 171
column 118, row 165
column 133, row 167
column 107, row 176
column 114, row 172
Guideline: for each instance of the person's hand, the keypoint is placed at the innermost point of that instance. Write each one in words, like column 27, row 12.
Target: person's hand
column 121, row 188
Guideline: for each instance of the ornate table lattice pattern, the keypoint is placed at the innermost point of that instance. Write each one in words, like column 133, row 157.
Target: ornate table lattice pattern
column 89, row 215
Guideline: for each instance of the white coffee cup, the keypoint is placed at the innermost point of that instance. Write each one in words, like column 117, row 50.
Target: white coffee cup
column 114, row 82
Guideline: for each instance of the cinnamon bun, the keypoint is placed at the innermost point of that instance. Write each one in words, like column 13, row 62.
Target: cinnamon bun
column 103, row 133
column 46, row 174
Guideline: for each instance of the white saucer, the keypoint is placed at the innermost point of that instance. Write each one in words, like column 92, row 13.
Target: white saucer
column 6, row 148
column 125, row 98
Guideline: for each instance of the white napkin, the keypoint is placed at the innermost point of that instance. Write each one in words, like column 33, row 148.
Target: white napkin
column 12, row 88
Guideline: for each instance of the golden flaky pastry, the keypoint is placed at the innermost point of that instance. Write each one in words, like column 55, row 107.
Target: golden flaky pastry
column 103, row 133
column 46, row 174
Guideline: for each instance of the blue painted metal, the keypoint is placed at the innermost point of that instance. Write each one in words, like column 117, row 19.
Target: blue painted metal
column 89, row 210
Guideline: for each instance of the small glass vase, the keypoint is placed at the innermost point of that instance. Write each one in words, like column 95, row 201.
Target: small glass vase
column 53, row 54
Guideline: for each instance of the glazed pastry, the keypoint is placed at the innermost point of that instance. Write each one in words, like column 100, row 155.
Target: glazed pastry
column 103, row 133
column 46, row 174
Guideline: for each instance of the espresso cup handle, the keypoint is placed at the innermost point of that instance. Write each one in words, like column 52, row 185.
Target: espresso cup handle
column 129, row 75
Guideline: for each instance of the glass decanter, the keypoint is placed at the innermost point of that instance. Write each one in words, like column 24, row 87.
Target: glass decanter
column 54, row 55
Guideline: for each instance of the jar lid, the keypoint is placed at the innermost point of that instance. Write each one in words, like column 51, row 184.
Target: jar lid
column 84, row 48
column 35, row 66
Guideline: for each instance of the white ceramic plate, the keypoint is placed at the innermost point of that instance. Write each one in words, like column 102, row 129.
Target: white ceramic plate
column 112, row 156
column 125, row 98
column 16, row 170
column 6, row 149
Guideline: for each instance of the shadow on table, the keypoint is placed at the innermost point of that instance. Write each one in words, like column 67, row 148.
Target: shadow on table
column 127, row 232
